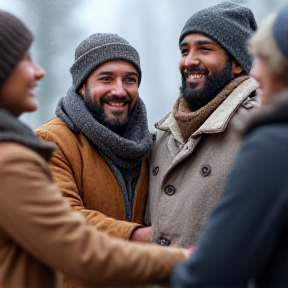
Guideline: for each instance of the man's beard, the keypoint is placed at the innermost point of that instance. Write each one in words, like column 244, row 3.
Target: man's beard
column 197, row 98
column 116, row 124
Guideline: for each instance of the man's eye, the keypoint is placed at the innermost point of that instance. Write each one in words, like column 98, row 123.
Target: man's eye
column 205, row 49
column 106, row 79
column 184, row 51
column 131, row 80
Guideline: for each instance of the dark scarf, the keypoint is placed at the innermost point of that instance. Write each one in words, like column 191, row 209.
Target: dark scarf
column 122, row 153
column 13, row 130
column 274, row 112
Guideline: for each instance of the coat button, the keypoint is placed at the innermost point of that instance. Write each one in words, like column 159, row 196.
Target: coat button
column 155, row 171
column 170, row 190
column 164, row 241
column 205, row 170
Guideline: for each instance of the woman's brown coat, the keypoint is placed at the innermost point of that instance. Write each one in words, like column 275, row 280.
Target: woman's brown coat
column 39, row 233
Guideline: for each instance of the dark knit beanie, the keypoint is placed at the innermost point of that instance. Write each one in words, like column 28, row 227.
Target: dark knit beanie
column 98, row 49
column 280, row 30
column 15, row 40
column 230, row 25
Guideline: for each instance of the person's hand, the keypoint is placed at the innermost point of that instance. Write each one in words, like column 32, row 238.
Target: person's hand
column 190, row 250
column 142, row 234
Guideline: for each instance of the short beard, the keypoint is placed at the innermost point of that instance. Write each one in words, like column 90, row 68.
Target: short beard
column 214, row 84
column 116, row 124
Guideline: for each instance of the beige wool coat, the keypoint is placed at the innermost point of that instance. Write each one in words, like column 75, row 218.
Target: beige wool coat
column 186, row 179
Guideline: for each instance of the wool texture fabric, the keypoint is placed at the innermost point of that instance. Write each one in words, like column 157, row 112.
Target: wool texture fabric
column 15, row 40
column 280, row 30
column 189, row 121
column 98, row 49
column 230, row 25
column 122, row 153
column 11, row 129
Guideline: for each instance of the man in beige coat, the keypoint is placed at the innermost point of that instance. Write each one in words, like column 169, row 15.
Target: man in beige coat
column 39, row 233
column 196, row 143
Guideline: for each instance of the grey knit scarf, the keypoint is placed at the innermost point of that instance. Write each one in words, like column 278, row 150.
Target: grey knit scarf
column 13, row 130
column 123, row 152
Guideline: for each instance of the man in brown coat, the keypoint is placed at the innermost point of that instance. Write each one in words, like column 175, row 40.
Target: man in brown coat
column 102, row 138
column 39, row 233
column 196, row 143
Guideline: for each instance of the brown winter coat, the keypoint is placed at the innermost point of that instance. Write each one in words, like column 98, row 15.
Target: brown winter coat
column 38, row 231
column 186, row 179
column 88, row 183
column 90, row 186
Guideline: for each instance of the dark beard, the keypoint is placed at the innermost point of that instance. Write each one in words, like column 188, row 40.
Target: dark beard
column 115, row 124
column 214, row 84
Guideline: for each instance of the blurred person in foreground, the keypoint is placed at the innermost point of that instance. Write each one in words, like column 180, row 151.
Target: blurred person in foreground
column 197, row 142
column 245, row 243
column 39, row 233
column 101, row 136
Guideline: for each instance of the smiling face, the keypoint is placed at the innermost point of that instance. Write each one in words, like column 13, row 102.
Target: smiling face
column 19, row 91
column 206, row 69
column 111, row 92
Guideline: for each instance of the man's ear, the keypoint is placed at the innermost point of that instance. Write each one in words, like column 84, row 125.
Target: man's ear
column 82, row 90
column 237, row 69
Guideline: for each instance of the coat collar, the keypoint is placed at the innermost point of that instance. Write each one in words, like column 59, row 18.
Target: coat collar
column 274, row 112
column 218, row 120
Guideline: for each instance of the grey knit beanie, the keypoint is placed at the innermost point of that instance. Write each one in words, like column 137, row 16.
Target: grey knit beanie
column 98, row 49
column 230, row 25
column 15, row 40
column 280, row 30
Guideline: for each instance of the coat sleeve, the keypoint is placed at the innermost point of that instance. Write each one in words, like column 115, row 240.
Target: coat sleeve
column 35, row 216
column 246, row 226
column 65, row 179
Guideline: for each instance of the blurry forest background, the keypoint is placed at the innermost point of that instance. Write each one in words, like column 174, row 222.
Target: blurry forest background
column 151, row 26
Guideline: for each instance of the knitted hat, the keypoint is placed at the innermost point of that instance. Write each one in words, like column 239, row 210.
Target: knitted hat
column 280, row 30
column 98, row 49
column 230, row 25
column 15, row 40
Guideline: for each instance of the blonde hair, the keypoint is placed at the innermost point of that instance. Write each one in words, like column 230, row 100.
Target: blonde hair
column 262, row 44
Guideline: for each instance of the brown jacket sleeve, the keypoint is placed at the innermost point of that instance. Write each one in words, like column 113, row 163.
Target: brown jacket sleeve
column 68, row 181
column 35, row 215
